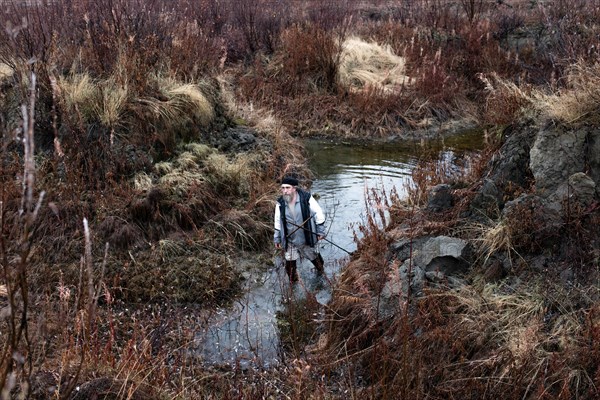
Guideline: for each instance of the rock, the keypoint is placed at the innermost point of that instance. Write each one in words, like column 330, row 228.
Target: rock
column 511, row 165
column 440, row 198
column 437, row 259
column 389, row 300
column 566, row 276
column 488, row 201
column 443, row 251
column 517, row 205
column 556, row 154
column 508, row 172
column 579, row 188
column 404, row 248
column 413, row 275
column 533, row 221
column 438, row 277
column 409, row 283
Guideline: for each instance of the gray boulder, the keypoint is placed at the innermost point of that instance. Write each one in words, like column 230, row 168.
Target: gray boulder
column 510, row 166
column 440, row 198
column 579, row 189
column 488, row 201
column 445, row 255
column 557, row 153
column 436, row 259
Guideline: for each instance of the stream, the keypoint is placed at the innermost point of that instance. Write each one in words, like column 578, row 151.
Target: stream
column 248, row 333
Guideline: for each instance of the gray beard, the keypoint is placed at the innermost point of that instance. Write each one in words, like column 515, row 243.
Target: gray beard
column 287, row 198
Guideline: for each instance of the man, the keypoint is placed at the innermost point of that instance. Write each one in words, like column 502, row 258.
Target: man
column 299, row 225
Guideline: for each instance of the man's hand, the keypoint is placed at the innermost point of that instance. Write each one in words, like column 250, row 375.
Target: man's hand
column 277, row 245
column 320, row 237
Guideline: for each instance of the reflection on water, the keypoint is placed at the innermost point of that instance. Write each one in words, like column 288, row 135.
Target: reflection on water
column 344, row 175
column 247, row 334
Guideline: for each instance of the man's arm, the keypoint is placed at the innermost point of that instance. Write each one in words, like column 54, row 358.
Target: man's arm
column 318, row 215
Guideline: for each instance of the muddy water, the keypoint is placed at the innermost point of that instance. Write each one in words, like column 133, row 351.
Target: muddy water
column 247, row 334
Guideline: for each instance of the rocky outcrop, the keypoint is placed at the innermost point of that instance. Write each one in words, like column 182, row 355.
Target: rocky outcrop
column 539, row 183
column 510, row 166
column 508, row 171
column 422, row 261
column 554, row 215
column 578, row 189
column 557, row 153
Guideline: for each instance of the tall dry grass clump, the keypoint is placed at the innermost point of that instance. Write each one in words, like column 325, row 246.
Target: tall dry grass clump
column 365, row 64
column 506, row 101
column 5, row 71
column 577, row 102
column 168, row 112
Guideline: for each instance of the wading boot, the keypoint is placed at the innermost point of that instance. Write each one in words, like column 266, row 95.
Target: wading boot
column 319, row 264
column 290, row 268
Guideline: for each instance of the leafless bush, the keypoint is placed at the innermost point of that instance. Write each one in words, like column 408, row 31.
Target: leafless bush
column 23, row 348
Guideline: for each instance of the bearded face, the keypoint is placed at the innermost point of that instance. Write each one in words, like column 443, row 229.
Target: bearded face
column 288, row 192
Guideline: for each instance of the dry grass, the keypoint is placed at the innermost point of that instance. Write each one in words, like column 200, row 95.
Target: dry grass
column 179, row 181
column 506, row 101
column 5, row 71
column 368, row 64
column 112, row 103
column 495, row 238
column 578, row 101
column 80, row 94
column 182, row 101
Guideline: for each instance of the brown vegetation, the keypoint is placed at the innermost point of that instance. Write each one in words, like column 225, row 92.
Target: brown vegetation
column 122, row 197
column 526, row 336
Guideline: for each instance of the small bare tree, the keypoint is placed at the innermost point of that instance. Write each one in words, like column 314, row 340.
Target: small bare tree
column 16, row 363
column 472, row 8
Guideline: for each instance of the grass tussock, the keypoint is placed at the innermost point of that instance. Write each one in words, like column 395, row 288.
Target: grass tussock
column 80, row 94
column 577, row 102
column 5, row 71
column 111, row 105
column 179, row 102
column 117, row 106
column 366, row 65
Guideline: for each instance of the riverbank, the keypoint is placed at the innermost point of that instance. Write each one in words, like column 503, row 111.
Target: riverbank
column 496, row 269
